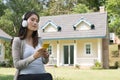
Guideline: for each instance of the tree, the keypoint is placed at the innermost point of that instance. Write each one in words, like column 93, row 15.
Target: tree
column 11, row 19
column 80, row 8
column 113, row 9
column 57, row 7
column 5, row 22
column 7, row 25
column 93, row 4
column 19, row 7
column 2, row 8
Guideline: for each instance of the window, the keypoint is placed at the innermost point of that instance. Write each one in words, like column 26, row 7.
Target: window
column 92, row 26
column 88, row 48
column 50, row 49
column 59, row 28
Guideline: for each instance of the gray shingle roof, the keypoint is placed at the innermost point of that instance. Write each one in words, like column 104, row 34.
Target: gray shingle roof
column 4, row 35
column 67, row 22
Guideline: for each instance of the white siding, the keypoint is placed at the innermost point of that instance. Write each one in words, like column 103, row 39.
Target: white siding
column 83, row 26
column 50, row 28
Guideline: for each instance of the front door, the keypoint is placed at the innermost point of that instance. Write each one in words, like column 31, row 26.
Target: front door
column 69, row 54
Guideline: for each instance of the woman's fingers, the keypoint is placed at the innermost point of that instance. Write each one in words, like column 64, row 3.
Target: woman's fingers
column 41, row 52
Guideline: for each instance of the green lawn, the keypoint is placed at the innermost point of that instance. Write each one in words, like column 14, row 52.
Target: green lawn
column 69, row 73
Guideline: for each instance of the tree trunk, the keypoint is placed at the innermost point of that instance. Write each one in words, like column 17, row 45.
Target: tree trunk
column 105, row 54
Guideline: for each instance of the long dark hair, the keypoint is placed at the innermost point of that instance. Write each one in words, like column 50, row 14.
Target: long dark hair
column 23, row 30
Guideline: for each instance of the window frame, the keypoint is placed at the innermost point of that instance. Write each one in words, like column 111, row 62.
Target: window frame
column 85, row 48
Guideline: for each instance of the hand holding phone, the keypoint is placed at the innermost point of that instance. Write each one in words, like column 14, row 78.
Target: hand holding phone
column 40, row 52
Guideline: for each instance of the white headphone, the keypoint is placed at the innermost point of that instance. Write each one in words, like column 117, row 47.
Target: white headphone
column 24, row 22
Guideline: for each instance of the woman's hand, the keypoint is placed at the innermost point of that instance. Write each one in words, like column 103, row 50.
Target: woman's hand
column 45, row 55
column 41, row 52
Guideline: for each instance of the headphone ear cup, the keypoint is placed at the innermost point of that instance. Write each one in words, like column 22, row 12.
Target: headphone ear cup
column 24, row 23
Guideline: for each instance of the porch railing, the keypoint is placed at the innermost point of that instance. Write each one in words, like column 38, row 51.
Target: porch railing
column 52, row 61
column 86, row 61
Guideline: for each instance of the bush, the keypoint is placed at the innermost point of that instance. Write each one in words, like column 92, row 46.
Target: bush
column 116, row 65
column 5, row 64
column 97, row 65
column 2, row 64
column 77, row 66
column 55, row 66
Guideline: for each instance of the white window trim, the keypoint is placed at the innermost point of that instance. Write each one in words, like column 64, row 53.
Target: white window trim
column 85, row 48
column 82, row 21
column 54, row 25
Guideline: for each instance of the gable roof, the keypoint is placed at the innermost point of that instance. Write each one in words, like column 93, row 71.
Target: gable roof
column 4, row 35
column 67, row 21
column 49, row 22
column 82, row 20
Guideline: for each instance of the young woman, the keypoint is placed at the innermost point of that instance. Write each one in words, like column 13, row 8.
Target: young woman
column 28, row 55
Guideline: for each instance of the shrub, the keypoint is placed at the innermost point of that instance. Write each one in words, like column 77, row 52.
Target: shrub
column 5, row 64
column 55, row 66
column 2, row 64
column 97, row 65
column 77, row 66
column 116, row 64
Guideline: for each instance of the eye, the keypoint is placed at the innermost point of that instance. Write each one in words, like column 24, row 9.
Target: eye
column 32, row 19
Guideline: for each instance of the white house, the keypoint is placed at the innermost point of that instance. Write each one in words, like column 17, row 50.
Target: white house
column 3, row 37
column 76, row 39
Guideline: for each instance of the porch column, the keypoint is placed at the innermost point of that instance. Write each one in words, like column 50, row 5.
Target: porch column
column 75, row 53
column 58, row 54
column 99, row 50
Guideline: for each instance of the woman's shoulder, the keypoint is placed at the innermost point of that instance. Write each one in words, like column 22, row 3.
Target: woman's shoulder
column 16, row 39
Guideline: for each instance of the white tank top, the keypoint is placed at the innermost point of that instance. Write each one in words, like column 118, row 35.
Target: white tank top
column 37, row 65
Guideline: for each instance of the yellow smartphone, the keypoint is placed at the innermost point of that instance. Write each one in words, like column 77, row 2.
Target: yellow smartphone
column 45, row 46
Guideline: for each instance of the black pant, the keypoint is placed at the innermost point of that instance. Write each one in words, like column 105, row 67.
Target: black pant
column 44, row 76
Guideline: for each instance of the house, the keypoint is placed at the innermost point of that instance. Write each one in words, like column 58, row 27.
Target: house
column 76, row 39
column 3, row 37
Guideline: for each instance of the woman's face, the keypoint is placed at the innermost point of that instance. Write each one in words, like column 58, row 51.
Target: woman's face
column 33, row 22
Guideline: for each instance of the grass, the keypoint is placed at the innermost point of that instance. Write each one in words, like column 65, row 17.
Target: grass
column 7, row 73
column 69, row 73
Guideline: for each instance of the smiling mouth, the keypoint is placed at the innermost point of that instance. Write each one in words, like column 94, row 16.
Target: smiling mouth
column 34, row 26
